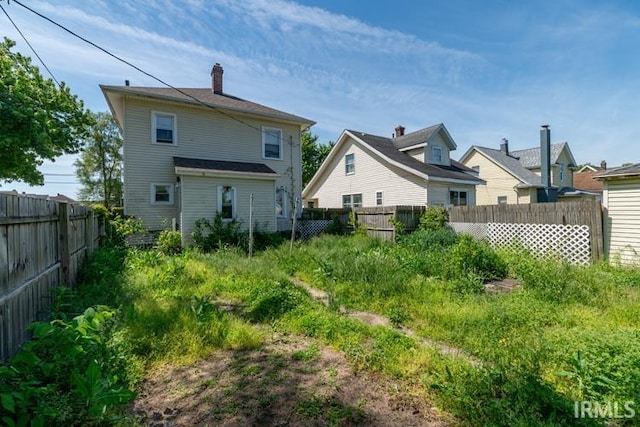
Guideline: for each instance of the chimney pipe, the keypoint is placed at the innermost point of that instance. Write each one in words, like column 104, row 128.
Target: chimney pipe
column 603, row 165
column 216, row 79
column 504, row 146
column 399, row 130
column 547, row 194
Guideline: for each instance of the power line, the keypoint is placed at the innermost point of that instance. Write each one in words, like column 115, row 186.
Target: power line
column 46, row 18
column 29, row 44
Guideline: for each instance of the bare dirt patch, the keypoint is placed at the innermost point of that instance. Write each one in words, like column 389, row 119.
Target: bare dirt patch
column 291, row 381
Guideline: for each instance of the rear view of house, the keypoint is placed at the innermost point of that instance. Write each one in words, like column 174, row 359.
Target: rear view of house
column 193, row 152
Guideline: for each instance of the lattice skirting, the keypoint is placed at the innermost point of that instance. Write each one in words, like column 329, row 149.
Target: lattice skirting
column 310, row 228
column 571, row 242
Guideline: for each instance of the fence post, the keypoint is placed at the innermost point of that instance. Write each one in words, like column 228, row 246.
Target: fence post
column 89, row 234
column 63, row 241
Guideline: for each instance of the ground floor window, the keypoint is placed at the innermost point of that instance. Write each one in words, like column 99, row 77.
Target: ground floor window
column 458, row 198
column 161, row 194
column 227, row 201
column 352, row 200
column 502, row 200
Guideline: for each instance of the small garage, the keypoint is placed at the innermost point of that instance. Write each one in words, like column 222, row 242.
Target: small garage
column 621, row 201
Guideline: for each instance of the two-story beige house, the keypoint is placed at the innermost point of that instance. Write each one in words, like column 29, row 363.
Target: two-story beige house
column 514, row 177
column 364, row 170
column 190, row 153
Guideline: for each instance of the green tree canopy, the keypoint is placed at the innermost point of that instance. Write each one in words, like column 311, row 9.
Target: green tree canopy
column 99, row 168
column 313, row 154
column 38, row 119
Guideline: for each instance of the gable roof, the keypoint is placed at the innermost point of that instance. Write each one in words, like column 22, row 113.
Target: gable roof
column 198, row 97
column 241, row 168
column 422, row 136
column 509, row 164
column 385, row 149
column 585, row 180
column 623, row 171
column 530, row 157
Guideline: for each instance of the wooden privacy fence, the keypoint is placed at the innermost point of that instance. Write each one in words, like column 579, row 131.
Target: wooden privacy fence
column 42, row 246
column 375, row 219
column 586, row 213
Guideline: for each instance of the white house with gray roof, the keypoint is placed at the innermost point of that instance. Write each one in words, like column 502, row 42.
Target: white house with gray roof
column 364, row 170
column 191, row 153
column 515, row 177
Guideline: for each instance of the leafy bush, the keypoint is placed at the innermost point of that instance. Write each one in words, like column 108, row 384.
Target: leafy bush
column 434, row 218
column 357, row 229
column 68, row 374
column 268, row 301
column 169, row 242
column 427, row 239
column 469, row 257
column 121, row 227
column 209, row 236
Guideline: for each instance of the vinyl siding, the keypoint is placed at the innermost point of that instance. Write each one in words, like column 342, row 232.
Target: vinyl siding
column 399, row 187
column 201, row 195
column 437, row 141
column 438, row 193
column 622, row 230
column 499, row 182
column 201, row 133
column 555, row 171
column 417, row 153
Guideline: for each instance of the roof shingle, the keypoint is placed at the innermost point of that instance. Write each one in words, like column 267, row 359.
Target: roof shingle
column 222, row 165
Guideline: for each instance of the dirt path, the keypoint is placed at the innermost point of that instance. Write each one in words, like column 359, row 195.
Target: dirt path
column 291, row 381
column 376, row 319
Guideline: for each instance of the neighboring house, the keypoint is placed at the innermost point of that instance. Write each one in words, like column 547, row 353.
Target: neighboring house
column 190, row 153
column 515, row 177
column 621, row 200
column 60, row 198
column 408, row 169
column 583, row 179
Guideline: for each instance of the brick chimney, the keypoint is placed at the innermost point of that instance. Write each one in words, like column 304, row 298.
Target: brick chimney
column 603, row 165
column 504, row 146
column 399, row 130
column 216, row 79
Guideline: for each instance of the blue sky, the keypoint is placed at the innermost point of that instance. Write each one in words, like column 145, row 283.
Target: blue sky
column 487, row 70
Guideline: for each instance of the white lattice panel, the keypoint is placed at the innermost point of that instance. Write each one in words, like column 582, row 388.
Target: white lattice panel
column 478, row 231
column 571, row 242
column 309, row 228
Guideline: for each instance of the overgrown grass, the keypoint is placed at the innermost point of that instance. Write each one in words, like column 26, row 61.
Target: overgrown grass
column 569, row 333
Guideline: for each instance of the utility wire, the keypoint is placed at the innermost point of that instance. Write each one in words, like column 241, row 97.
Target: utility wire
column 29, row 44
column 142, row 71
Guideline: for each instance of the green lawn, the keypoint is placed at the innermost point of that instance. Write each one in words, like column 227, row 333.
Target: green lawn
column 568, row 333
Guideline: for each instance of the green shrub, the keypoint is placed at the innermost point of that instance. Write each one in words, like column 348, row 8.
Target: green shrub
column 357, row 229
column 121, row 227
column 68, row 374
column 209, row 236
column 169, row 242
column 335, row 227
column 269, row 301
column 469, row 257
column 427, row 239
column 434, row 218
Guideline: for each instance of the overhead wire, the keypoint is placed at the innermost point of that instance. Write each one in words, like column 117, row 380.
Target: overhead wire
column 29, row 44
column 124, row 61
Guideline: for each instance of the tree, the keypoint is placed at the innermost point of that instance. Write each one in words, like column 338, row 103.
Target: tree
column 313, row 154
column 38, row 120
column 99, row 168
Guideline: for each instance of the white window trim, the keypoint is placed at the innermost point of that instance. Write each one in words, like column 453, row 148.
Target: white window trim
column 283, row 214
column 563, row 172
column 353, row 163
column 351, row 202
column 154, row 114
column 381, row 198
column 234, row 210
column 153, row 194
column 506, row 200
column 433, row 156
column 459, row 190
column 265, row 130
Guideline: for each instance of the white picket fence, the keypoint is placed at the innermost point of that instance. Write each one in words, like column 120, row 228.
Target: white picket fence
column 571, row 242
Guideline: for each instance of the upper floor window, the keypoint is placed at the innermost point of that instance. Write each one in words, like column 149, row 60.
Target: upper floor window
column 436, row 154
column 227, row 201
column 162, row 194
column 164, row 128
column 272, row 143
column 563, row 172
column 349, row 164
column 458, row 198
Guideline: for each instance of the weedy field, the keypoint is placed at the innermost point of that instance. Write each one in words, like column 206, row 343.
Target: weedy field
column 234, row 339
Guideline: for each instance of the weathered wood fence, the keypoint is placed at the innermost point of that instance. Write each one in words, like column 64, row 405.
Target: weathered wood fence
column 42, row 246
column 586, row 212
